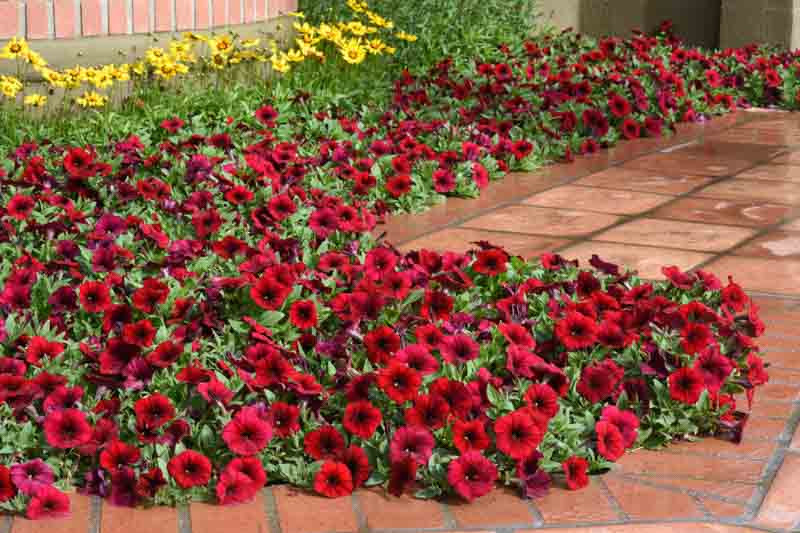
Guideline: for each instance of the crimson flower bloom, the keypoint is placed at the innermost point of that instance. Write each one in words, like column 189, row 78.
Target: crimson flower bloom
column 686, row 385
column 172, row 125
column 234, row 487
column 381, row 344
column 518, row 434
column 7, row 485
column 361, row 419
column 429, row 411
column 153, row 411
column 333, row 480
column 490, row 262
column 413, row 441
column 95, row 297
column 576, row 331
column 150, row 482
column 269, row 294
column 598, row 381
column 247, row 433
column 542, row 399
column 39, row 347
column 119, row 454
column 619, row 105
column 358, row 463
column 48, row 502
column 399, row 382
column 625, row 421
column 285, row 418
column 250, row 467
column 324, row 443
column 470, row 436
column 418, row 357
column 696, row 337
column 303, row 314
column 472, row 475
column 436, row 305
column 458, row 349
column 190, row 469
column 399, row 185
column 402, row 476
column 20, row 206
column 67, row 428
column 576, row 469
column 610, row 443
column 714, row 367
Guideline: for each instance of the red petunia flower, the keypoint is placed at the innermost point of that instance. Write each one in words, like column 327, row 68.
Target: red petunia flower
column 361, row 419
column 324, row 443
column 402, row 476
column 67, row 428
column 381, row 344
column 20, row 206
column 234, row 487
column 733, row 296
column 625, row 421
column 518, row 434
column 631, row 129
column 268, row 293
column 610, row 443
column 696, row 337
column 714, row 367
column 542, row 400
column 266, row 115
column 458, row 349
column 48, row 502
column 153, row 411
column 620, row 107
column 190, row 469
column 576, row 331
column 576, row 469
column 430, row 411
column 418, row 357
column 95, row 297
column 172, row 125
column 598, row 381
column 399, row 382
column 140, row 333
column 436, row 305
column 490, row 262
column 303, row 314
column 686, row 385
column 285, row 419
column 413, row 441
column 358, row 463
column 119, row 454
column 470, row 436
column 149, row 483
column 39, row 347
column 472, row 475
column 333, row 480
column 250, row 467
column 247, row 433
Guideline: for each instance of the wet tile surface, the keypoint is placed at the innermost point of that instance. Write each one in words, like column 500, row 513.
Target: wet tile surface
column 543, row 221
column 596, row 199
column 719, row 211
column 644, row 181
column 676, row 234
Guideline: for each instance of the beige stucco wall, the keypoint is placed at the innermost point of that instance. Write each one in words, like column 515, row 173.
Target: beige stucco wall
column 764, row 21
column 696, row 21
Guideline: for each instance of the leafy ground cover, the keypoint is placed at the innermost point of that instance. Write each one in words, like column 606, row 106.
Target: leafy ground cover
column 198, row 309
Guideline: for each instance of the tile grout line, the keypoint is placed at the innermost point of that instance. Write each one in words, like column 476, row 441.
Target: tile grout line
column 7, row 524
column 449, row 519
column 361, row 519
column 271, row 510
column 612, row 500
column 184, row 519
column 95, row 514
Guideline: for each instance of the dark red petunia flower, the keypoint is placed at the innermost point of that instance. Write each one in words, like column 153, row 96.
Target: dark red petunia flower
column 48, row 502
column 140, row 333
column 67, row 428
column 333, row 480
column 470, row 436
column 518, row 434
column 696, row 337
column 247, row 433
column 39, row 347
column 361, row 419
column 418, row 357
column 399, row 382
column 234, row 487
column 430, row 411
column 266, row 115
column 95, row 297
column 576, row 469
column 250, row 467
column 625, row 421
column 324, row 443
column 686, row 385
column 413, row 441
column 399, row 185
column 20, row 206
column 357, row 462
column 517, row 334
column 598, row 381
column 119, row 454
column 303, row 314
column 402, row 476
column 285, row 419
column 733, row 296
column 610, row 443
column 123, row 487
column 153, row 411
column 576, row 331
column 190, row 469
column 458, row 349
column 436, row 305
column 631, row 129
column 542, row 400
column 7, row 488
column 150, row 482
column 620, row 107
column 381, row 344
column 269, row 294
column 379, row 262
column 471, row 475
column 714, row 367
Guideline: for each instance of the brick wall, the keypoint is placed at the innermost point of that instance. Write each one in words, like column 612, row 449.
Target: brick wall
column 64, row 19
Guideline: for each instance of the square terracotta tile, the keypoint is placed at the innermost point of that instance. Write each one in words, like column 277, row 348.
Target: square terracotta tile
column 720, row 509
column 596, row 199
column 775, row 276
column 77, row 522
column 302, row 512
column 779, row 192
column 590, row 504
column 501, row 507
column 700, row 165
column 645, row 260
column 124, row 519
column 676, row 234
column 713, row 211
column 772, row 172
column 542, row 221
column 643, row 180
column 781, row 507
column 250, row 516
column 734, row 150
column 383, row 511
column 658, row 465
column 461, row 239
column 644, row 502
column 741, row 492
column 775, row 244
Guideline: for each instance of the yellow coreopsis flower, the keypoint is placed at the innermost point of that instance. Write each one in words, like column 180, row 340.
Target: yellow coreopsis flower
column 103, row 80
column 329, row 33
column 295, row 56
column 403, row 36
column 280, row 63
column 139, row 68
column 352, row 51
column 16, row 47
column 51, row 76
column 221, row 45
column 305, row 27
column 376, row 46
column 91, row 99
column 250, row 43
column 166, row 70
column 379, row 20
column 218, row 61
column 356, row 5
column 122, row 73
column 10, row 86
column 155, row 56
column 35, row 59
column 356, row 28
column 35, row 100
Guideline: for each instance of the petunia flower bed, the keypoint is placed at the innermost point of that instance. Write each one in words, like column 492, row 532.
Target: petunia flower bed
column 199, row 311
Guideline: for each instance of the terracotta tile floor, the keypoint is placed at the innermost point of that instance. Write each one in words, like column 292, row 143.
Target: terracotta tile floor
column 723, row 196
